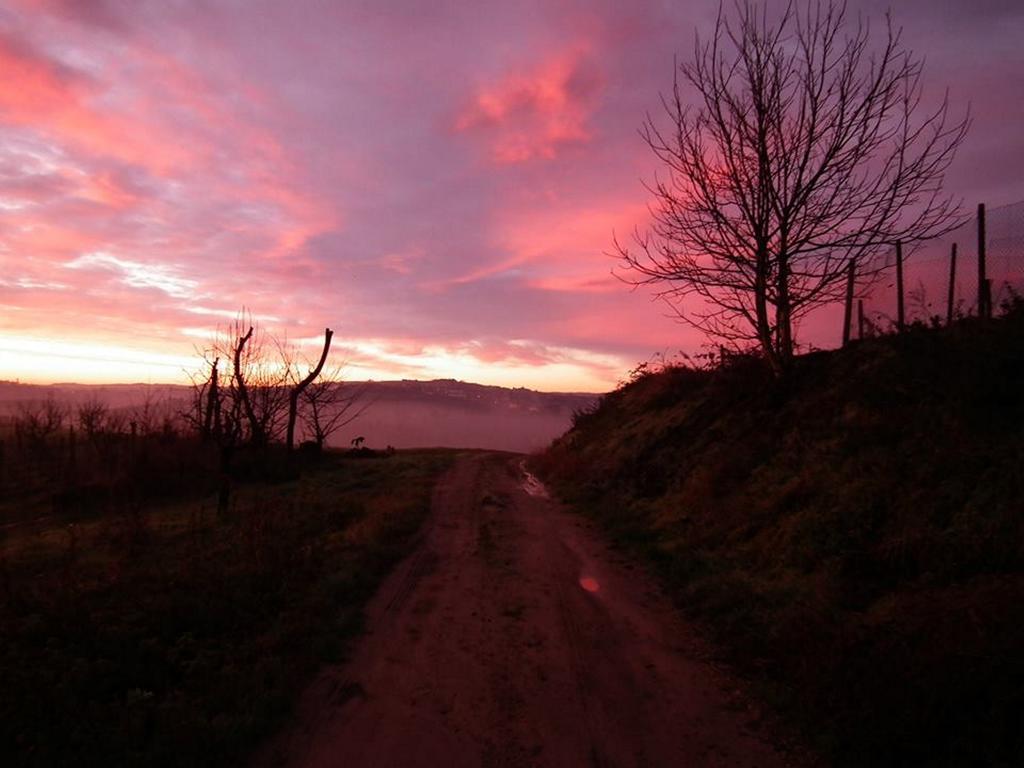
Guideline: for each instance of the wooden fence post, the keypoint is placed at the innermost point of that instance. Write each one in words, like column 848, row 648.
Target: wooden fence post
column 952, row 286
column 900, row 320
column 983, row 309
column 849, row 303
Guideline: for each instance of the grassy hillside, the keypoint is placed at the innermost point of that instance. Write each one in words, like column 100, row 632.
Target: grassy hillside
column 168, row 635
column 853, row 537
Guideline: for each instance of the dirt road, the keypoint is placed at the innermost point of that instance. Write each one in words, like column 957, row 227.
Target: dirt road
column 514, row 637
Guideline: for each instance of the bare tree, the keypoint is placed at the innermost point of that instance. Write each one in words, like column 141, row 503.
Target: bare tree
column 807, row 149
column 41, row 421
column 149, row 415
column 92, row 417
column 212, row 417
column 257, row 396
column 329, row 405
column 301, row 386
column 238, row 374
column 203, row 412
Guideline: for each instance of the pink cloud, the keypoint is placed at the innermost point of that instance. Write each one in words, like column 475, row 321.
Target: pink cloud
column 68, row 107
column 535, row 114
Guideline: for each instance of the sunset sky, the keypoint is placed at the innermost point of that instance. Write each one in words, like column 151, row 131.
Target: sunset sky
column 437, row 181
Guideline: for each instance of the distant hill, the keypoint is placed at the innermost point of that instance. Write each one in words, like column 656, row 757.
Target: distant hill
column 405, row 414
column 854, row 535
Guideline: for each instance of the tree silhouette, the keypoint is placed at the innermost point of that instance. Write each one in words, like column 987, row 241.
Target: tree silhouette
column 806, row 150
column 300, row 387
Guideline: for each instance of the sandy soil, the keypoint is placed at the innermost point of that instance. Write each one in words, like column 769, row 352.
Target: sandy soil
column 513, row 636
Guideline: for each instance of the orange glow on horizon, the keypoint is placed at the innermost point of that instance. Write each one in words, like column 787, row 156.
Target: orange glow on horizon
column 45, row 361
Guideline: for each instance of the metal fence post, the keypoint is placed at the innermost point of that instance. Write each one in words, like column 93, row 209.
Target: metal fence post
column 900, row 320
column 952, row 286
column 983, row 309
column 849, row 303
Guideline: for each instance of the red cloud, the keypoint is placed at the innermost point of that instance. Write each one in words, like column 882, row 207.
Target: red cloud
column 534, row 115
column 35, row 85
column 64, row 104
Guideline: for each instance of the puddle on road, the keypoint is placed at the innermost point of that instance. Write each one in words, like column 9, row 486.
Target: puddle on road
column 531, row 484
column 535, row 487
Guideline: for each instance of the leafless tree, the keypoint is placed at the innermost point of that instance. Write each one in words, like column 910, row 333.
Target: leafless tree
column 254, row 405
column 248, row 400
column 40, row 421
column 212, row 417
column 808, row 147
column 203, row 412
column 258, row 400
column 329, row 404
column 302, row 385
column 151, row 414
column 221, row 411
column 92, row 417
column 250, row 353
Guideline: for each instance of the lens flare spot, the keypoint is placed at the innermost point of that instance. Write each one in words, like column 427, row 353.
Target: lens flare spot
column 590, row 584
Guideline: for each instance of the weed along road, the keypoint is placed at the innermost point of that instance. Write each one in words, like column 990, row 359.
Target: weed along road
column 513, row 636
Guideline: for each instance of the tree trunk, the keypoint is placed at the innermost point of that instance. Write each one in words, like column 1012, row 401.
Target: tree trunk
column 783, row 316
column 764, row 330
column 293, row 397
column 211, row 423
column 256, row 432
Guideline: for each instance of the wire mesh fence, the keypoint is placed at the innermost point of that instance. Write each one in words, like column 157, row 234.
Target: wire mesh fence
column 939, row 287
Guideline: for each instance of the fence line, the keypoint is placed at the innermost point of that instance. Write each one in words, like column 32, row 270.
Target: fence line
column 971, row 270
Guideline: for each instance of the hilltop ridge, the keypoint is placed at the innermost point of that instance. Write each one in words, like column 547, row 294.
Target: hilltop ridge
column 853, row 536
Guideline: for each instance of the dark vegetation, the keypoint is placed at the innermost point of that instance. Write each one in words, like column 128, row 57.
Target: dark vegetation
column 173, row 573
column 852, row 534
column 142, row 622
